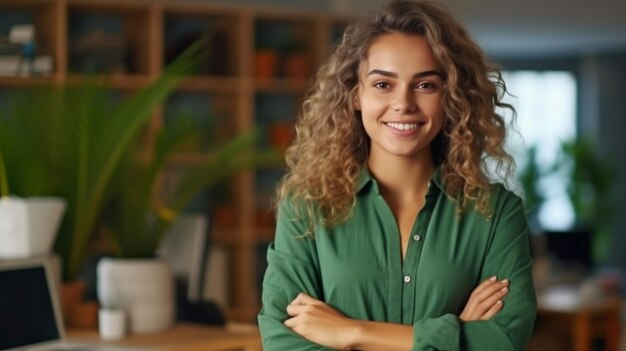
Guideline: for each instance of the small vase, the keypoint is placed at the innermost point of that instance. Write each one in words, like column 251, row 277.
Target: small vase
column 142, row 288
column 71, row 296
column 28, row 226
column 265, row 64
column 298, row 66
column 280, row 134
column 84, row 315
column 111, row 324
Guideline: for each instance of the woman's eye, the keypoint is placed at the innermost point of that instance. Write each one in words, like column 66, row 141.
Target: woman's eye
column 426, row 85
column 382, row 85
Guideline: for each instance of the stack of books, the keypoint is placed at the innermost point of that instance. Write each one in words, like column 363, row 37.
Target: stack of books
column 18, row 54
column 18, row 66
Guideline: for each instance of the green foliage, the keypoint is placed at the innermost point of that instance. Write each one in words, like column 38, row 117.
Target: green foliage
column 35, row 147
column 590, row 182
column 529, row 179
column 135, row 219
column 590, row 179
column 67, row 141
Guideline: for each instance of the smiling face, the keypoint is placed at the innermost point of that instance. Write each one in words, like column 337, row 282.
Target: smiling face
column 399, row 96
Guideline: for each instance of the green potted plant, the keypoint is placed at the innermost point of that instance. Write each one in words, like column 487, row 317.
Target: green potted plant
column 66, row 141
column 591, row 179
column 589, row 182
column 137, row 220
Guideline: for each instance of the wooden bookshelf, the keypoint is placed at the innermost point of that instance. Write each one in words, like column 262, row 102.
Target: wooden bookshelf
column 230, row 87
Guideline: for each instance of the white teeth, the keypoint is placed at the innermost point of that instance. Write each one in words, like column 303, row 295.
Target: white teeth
column 402, row 126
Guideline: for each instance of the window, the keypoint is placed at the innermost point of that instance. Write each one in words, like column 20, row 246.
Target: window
column 546, row 105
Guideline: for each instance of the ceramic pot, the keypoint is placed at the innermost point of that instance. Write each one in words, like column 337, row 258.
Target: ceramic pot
column 28, row 226
column 265, row 64
column 298, row 66
column 142, row 288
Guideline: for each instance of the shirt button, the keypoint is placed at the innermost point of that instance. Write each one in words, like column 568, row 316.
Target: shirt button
column 407, row 279
column 416, row 237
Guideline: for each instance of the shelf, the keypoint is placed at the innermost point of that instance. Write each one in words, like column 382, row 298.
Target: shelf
column 127, row 43
column 212, row 84
column 185, row 23
column 19, row 82
column 289, row 16
column 282, row 86
column 107, row 5
column 25, row 4
column 115, row 81
column 40, row 14
column 110, row 37
column 195, row 8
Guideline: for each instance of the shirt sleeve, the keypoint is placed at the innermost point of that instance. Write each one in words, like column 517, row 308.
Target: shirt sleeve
column 508, row 256
column 291, row 269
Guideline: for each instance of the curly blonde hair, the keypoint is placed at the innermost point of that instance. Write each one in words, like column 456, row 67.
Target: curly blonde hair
column 331, row 147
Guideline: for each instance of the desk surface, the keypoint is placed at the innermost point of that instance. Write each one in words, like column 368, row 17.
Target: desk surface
column 584, row 321
column 185, row 337
column 600, row 306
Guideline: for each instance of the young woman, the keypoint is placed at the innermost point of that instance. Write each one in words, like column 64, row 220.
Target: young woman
column 390, row 234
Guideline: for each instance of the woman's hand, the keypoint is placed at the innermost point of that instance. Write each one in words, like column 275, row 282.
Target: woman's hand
column 486, row 300
column 318, row 322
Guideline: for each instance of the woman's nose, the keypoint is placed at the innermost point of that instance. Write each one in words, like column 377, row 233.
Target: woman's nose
column 404, row 101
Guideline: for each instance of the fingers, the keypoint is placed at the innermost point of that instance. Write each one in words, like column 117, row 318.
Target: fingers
column 493, row 310
column 492, row 301
column 294, row 310
column 491, row 289
column 486, row 300
column 301, row 303
column 484, row 285
column 304, row 299
column 292, row 323
column 297, row 307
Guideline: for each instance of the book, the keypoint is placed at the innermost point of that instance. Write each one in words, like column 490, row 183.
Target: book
column 16, row 65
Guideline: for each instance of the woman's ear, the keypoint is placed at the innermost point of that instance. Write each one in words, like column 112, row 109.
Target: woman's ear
column 356, row 105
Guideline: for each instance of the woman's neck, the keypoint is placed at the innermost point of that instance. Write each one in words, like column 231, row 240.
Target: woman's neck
column 401, row 178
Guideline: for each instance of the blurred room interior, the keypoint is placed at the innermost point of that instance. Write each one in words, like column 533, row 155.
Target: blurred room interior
column 564, row 63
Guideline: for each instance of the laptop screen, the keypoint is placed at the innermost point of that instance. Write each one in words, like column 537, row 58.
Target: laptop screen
column 26, row 309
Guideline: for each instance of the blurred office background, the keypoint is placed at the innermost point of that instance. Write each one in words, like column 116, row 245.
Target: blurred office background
column 564, row 63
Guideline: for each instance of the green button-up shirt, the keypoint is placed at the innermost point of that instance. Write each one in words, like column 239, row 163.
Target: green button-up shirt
column 357, row 268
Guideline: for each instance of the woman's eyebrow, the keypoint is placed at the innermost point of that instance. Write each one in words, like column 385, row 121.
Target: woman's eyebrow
column 395, row 75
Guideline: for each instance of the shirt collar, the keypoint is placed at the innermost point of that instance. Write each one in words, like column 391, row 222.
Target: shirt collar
column 366, row 181
column 365, row 178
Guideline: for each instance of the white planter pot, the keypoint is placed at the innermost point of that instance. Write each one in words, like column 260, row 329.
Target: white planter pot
column 28, row 226
column 142, row 288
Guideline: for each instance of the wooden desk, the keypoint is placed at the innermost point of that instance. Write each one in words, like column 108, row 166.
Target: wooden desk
column 185, row 337
column 584, row 322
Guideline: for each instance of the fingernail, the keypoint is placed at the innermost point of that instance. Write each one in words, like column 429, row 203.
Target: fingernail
column 504, row 281
column 499, row 302
column 504, row 289
column 493, row 279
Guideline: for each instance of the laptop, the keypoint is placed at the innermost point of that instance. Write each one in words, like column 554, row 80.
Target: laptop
column 30, row 314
